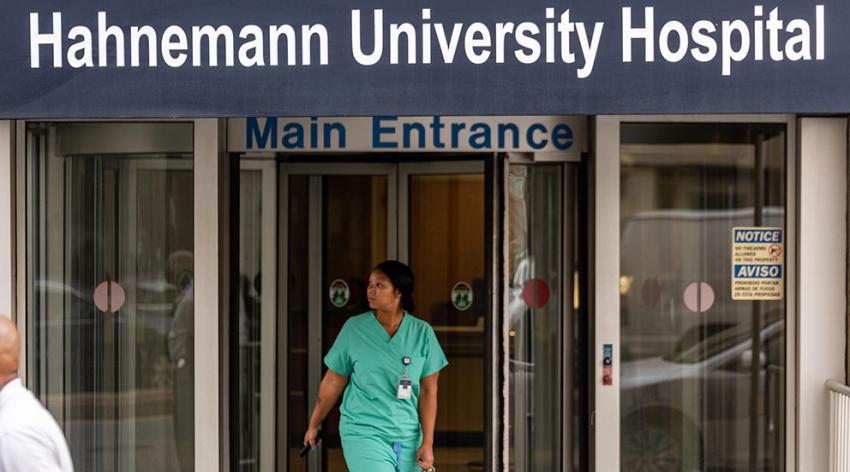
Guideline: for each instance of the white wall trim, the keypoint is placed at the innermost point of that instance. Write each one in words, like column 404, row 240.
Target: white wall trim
column 7, row 215
column 605, row 211
column 822, row 279
column 208, row 150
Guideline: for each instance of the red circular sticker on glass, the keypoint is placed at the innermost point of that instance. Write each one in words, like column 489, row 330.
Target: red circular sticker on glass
column 109, row 296
column 535, row 293
column 698, row 297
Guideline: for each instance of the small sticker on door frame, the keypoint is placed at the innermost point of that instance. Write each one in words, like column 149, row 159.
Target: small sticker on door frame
column 339, row 293
column 462, row 296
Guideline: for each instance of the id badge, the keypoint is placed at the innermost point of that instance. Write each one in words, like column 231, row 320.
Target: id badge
column 405, row 389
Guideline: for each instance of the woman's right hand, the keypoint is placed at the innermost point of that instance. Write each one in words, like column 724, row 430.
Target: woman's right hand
column 311, row 437
column 330, row 389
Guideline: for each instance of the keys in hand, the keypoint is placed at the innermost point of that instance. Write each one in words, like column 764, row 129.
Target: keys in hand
column 307, row 447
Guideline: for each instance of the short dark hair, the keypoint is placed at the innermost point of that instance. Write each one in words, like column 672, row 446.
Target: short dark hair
column 402, row 279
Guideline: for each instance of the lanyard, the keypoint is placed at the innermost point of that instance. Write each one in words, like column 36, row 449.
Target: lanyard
column 406, row 362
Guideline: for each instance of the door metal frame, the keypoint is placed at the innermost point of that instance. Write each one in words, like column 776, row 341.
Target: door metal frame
column 497, row 357
column 314, row 299
column 570, row 225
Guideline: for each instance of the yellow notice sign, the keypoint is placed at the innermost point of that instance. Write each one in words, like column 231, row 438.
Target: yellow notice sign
column 758, row 263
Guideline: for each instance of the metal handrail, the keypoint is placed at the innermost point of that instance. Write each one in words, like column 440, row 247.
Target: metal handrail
column 837, row 387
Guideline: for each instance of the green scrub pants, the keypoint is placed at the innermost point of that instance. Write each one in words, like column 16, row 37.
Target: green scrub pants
column 364, row 454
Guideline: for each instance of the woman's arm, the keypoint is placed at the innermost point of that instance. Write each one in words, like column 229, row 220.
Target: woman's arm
column 428, row 418
column 330, row 389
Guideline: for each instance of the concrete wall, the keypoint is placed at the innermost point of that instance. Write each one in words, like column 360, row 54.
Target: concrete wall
column 822, row 280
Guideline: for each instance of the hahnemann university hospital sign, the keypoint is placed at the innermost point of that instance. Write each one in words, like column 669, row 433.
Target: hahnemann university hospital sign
column 264, row 58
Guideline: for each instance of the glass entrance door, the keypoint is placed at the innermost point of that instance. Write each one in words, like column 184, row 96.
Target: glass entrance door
column 110, row 295
column 546, row 321
column 703, row 348
column 441, row 236
column 343, row 220
column 340, row 224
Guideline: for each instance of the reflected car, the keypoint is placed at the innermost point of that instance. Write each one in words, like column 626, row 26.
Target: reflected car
column 144, row 325
column 691, row 409
column 154, row 305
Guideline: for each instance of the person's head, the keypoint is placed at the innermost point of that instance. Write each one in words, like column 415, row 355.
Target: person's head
column 391, row 287
column 10, row 350
column 179, row 269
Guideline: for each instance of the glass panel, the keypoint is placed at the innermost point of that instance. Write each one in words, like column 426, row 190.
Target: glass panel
column 353, row 239
column 536, row 328
column 446, row 248
column 110, row 291
column 702, row 377
column 250, row 259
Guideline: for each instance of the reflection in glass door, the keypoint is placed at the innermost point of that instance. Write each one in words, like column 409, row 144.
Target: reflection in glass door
column 110, row 301
column 255, row 328
column 702, row 379
column 545, row 325
column 340, row 224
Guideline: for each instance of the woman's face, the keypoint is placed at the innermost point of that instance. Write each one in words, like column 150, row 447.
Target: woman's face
column 381, row 293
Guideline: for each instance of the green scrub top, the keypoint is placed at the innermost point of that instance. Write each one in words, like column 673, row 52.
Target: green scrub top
column 373, row 361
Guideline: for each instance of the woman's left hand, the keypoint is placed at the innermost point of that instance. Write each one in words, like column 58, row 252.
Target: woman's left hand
column 425, row 456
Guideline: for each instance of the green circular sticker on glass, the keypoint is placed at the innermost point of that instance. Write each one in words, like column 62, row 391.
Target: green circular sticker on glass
column 339, row 293
column 462, row 296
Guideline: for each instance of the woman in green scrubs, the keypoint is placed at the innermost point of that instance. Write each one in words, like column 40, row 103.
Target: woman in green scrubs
column 387, row 362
